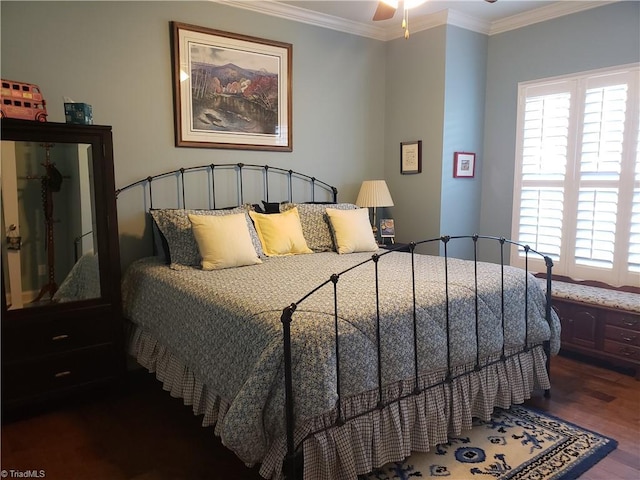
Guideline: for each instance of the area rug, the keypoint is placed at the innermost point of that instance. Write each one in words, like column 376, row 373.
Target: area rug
column 519, row 443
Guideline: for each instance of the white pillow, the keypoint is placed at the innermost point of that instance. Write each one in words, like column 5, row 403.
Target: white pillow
column 352, row 230
column 280, row 233
column 223, row 241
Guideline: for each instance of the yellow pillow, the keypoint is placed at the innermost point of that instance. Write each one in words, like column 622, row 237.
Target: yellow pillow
column 352, row 230
column 280, row 233
column 223, row 241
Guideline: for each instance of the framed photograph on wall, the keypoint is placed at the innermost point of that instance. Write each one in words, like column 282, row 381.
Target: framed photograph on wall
column 230, row 90
column 464, row 164
column 411, row 157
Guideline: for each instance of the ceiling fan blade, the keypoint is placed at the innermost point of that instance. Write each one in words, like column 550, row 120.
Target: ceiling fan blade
column 383, row 12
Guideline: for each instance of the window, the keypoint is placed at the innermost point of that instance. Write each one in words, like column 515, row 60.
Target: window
column 577, row 174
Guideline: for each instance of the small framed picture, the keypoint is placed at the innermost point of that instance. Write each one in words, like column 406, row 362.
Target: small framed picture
column 411, row 157
column 387, row 229
column 464, row 164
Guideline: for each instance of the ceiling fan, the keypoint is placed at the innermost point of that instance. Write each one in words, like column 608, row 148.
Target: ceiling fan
column 387, row 9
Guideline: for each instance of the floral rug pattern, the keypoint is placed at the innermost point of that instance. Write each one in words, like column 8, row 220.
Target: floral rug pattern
column 519, row 443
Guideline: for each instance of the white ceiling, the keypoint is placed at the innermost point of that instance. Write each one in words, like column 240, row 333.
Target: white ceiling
column 355, row 16
column 362, row 10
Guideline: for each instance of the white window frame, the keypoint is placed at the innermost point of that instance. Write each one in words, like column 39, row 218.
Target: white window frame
column 577, row 84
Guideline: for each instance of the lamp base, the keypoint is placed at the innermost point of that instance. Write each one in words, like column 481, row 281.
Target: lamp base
column 374, row 229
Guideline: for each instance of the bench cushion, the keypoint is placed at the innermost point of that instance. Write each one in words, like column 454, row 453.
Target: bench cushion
column 594, row 295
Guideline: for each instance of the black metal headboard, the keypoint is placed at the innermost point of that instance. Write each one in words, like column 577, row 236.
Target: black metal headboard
column 241, row 170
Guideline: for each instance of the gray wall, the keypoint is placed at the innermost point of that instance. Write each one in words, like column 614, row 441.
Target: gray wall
column 596, row 38
column 354, row 99
column 414, row 111
column 116, row 57
column 463, row 130
column 435, row 93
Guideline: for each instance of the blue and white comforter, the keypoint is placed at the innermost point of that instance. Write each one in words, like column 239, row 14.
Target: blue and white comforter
column 225, row 325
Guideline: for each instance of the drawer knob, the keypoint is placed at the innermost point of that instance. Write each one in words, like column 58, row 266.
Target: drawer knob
column 630, row 323
column 627, row 338
column 627, row 353
column 66, row 373
column 57, row 338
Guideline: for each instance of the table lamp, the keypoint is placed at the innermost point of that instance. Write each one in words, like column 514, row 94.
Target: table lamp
column 374, row 193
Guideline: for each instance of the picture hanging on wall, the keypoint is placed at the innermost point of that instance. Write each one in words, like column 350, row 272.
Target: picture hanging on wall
column 230, row 90
column 411, row 157
column 464, row 164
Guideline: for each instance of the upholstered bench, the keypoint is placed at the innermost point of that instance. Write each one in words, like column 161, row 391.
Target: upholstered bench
column 599, row 321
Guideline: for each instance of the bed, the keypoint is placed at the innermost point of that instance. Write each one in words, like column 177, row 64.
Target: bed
column 325, row 365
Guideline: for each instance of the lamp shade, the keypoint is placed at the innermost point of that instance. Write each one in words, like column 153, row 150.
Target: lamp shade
column 374, row 193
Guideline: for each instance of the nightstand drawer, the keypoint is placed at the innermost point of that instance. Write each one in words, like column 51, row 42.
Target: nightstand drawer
column 55, row 336
column 624, row 320
column 622, row 335
column 35, row 377
column 621, row 350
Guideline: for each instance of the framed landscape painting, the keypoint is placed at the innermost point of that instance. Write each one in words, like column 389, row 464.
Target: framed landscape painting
column 230, row 90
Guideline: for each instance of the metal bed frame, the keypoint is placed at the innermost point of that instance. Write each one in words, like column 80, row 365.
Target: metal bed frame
column 293, row 462
column 293, row 459
column 241, row 170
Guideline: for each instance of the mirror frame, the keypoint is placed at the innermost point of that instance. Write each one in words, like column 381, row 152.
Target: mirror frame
column 100, row 139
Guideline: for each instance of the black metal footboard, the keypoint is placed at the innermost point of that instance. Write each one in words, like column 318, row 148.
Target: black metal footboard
column 293, row 458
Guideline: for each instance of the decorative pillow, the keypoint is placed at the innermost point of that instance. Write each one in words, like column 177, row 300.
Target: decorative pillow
column 352, row 230
column 280, row 233
column 270, row 207
column 315, row 224
column 160, row 246
column 175, row 227
column 223, row 241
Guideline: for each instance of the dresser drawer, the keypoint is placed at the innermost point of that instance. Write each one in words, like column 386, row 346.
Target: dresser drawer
column 622, row 335
column 621, row 350
column 55, row 336
column 624, row 320
column 36, row 377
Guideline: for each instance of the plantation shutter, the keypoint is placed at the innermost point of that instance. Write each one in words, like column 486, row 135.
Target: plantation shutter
column 600, row 168
column 634, row 234
column 544, row 165
column 577, row 174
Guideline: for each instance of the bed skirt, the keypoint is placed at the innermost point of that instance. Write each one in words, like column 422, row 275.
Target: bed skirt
column 414, row 423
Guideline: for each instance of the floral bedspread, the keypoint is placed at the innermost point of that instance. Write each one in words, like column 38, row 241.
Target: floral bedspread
column 225, row 325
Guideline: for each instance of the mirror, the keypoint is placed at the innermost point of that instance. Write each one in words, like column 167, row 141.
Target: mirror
column 49, row 253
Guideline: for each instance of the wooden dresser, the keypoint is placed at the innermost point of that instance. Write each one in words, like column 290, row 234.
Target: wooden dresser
column 600, row 322
column 62, row 327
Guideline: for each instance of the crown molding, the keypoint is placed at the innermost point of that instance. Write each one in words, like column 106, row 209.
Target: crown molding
column 302, row 15
column 419, row 24
column 468, row 22
column 445, row 17
column 542, row 14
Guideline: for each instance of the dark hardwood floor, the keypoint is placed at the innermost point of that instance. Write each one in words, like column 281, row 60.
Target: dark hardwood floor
column 144, row 434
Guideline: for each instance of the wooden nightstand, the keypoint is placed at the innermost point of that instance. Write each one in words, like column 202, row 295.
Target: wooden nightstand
column 396, row 247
